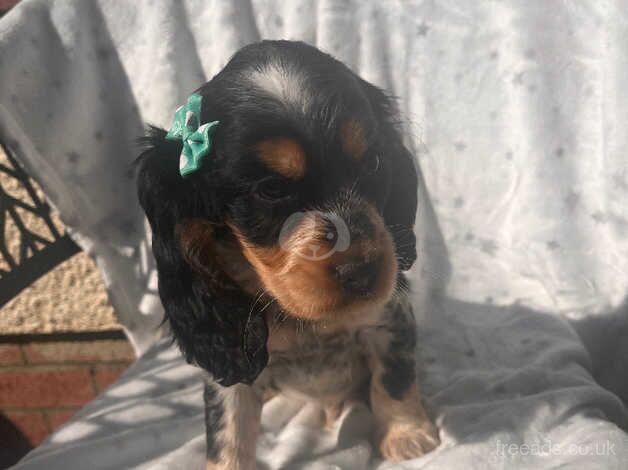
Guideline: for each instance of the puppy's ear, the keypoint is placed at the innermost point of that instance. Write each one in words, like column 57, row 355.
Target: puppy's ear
column 400, row 209
column 211, row 320
column 401, row 205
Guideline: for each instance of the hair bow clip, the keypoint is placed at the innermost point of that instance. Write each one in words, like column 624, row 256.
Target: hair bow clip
column 196, row 138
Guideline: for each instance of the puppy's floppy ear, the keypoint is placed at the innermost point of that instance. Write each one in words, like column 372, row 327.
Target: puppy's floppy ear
column 401, row 205
column 210, row 318
column 400, row 210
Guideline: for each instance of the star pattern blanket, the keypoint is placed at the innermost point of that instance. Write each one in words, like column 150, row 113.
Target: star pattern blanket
column 515, row 111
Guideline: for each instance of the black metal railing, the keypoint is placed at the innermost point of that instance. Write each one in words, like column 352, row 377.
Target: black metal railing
column 37, row 253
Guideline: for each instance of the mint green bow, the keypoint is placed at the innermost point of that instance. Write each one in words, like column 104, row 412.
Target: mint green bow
column 197, row 139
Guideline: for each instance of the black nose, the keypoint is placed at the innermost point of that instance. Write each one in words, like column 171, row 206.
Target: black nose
column 358, row 279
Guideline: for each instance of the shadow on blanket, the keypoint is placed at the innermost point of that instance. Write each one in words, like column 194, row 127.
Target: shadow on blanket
column 491, row 374
column 507, row 370
column 606, row 338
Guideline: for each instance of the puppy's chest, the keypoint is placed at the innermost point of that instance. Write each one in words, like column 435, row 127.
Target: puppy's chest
column 321, row 366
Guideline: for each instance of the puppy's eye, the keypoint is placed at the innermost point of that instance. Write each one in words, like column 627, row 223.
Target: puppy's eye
column 372, row 164
column 271, row 189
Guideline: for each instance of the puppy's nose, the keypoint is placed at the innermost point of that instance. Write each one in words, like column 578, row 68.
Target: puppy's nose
column 358, row 279
column 361, row 227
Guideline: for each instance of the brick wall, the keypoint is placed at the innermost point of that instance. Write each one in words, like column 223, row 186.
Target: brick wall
column 43, row 382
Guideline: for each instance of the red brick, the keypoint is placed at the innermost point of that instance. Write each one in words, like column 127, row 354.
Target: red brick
column 7, row 4
column 62, row 386
column 60, row 417
column 10, row 355
column 105, row 375
column 32, row 424
column 78, row 351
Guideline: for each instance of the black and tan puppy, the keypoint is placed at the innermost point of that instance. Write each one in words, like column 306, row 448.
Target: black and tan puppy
column 280, row 261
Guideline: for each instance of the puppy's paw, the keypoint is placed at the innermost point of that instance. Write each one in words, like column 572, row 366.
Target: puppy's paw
column 405, row 441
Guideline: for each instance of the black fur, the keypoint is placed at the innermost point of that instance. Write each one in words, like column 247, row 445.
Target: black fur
column 401, row 201
column 211, row 326
column 399, row 362
column 218, row 327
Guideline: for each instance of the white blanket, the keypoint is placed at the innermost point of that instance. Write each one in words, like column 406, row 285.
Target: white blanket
column 516, row 112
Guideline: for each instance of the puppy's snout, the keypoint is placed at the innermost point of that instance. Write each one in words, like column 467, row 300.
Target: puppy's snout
column 358, row 279
column 361, row 227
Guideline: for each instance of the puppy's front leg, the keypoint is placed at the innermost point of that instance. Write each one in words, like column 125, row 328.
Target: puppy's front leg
column 232, row 421
column 403, row 429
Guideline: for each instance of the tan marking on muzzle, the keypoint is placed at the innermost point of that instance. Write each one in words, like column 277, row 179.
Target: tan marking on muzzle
column 307, row 288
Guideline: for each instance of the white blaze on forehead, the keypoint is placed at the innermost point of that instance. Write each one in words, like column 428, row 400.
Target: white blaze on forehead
column 285, row 83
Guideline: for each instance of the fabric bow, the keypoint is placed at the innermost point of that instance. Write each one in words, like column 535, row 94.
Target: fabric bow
column 196, row 138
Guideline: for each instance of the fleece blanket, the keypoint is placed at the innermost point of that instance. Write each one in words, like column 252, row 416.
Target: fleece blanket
column 515, row 112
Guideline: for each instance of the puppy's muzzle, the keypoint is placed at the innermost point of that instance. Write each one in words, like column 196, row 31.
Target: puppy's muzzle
column 358, row 279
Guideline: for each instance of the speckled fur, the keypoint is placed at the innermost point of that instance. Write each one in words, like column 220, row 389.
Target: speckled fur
column 331, row 364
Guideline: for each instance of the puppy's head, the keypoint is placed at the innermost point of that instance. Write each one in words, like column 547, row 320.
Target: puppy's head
column 307, row 199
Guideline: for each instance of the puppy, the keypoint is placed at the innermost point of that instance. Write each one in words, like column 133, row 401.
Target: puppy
column 280, row 260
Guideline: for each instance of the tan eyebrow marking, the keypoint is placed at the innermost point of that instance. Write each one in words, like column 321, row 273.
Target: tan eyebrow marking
column 283, row 155
column 353, row 139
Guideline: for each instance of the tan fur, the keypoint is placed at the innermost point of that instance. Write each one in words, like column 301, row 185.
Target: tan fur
column 196, row 238
column 241, row 427
column 403, row 429
column 215, row 260
column 353, row 139
column 283, row 155
column 306, row 288
column 232, row 262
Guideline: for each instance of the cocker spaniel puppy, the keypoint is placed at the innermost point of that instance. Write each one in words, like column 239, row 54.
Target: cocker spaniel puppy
column 280, row 252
